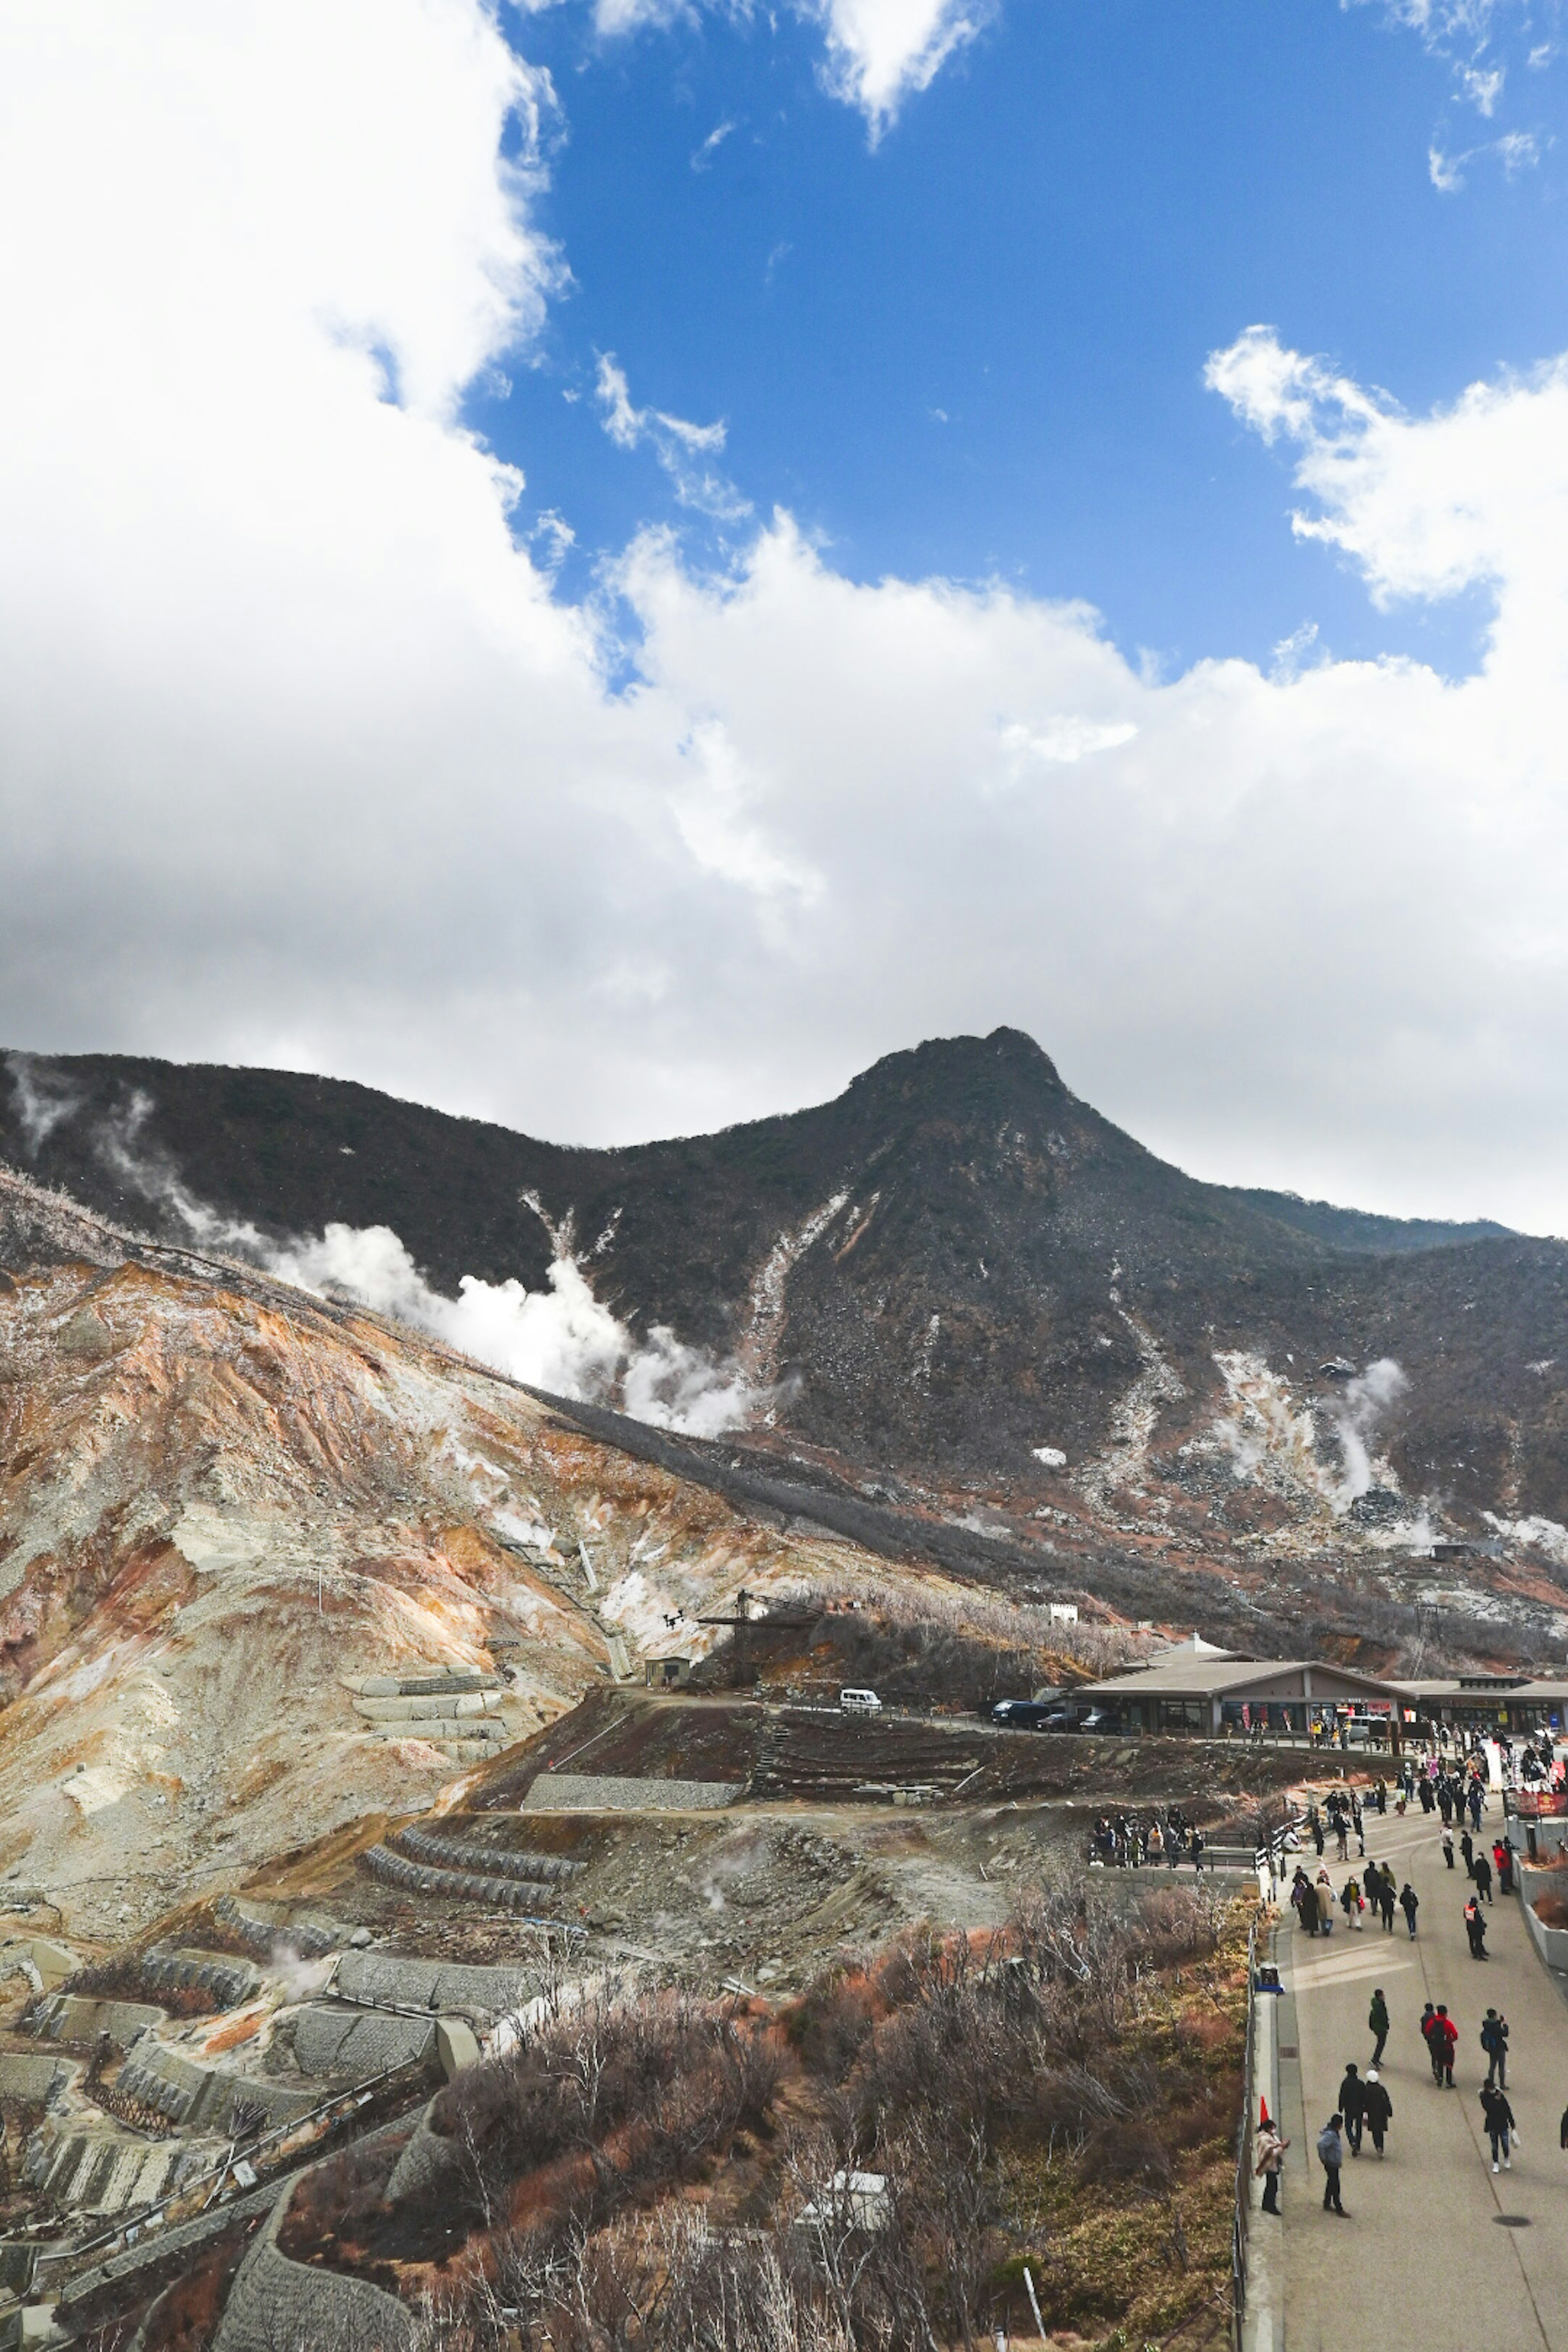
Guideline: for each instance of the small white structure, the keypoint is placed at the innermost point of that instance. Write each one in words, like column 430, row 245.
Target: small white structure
column 856, row 2200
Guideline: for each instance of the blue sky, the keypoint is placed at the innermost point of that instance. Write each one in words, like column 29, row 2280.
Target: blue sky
column 842, row 424
column 976, row 348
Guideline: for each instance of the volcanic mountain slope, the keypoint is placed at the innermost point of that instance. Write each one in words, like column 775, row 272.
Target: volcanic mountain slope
column 221, row 1496
column 953, row 1266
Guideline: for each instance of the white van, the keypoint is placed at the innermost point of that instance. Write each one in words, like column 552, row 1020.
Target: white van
column 860, row 1702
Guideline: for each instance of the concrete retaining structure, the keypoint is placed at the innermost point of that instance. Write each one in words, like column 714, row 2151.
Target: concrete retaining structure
column 585, row 1792
column 312, row 1939
column 489, row 1861
column 77, row 2017
column 429, row 1681
column 355, row 2044
column 276, row 2302
column 195, row 2096
column 389, row 1980
column 419, row 1878
column 229, row 1983
column 440, row 1709
column 34, row 2080
column 106, row 2172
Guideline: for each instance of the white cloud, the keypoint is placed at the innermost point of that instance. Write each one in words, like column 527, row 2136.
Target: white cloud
column 882, row 52
column 685, row 451
column 306, row 763
column 703, row 155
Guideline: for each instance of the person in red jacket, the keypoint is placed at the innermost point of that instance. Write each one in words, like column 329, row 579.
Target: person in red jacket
column 1445, row 2040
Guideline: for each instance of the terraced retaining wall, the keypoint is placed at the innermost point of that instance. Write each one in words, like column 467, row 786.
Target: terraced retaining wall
column 274, row 2302
column 390, row 1980
column 585, row 1792
column 490, row 1861
column 420, row 1878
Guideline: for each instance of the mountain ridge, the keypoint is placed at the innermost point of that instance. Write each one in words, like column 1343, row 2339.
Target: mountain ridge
column 955, row 1266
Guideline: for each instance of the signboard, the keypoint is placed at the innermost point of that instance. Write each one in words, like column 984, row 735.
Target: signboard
column 1541, row 1804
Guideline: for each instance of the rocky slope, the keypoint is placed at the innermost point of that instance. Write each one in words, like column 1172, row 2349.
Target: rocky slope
column 225, row 1502
column 952, row 1267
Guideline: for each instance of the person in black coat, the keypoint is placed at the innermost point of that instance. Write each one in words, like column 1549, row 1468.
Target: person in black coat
column 1500, row 2124
column 1482, row 1872
column 1353, row 2092
column 1409, row 1903
column 1376, row 2107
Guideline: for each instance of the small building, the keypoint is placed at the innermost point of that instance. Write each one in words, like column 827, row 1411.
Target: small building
column 1198, row 1689
column 667, row 1673
column 1514, row 1704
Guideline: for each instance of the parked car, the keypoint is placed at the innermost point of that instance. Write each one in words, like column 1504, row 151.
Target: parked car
column 1022, row 1714
column 860, row 1702
column 1095, row 1718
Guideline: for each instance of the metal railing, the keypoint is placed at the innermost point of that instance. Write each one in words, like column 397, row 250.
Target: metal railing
column 1242, row 2216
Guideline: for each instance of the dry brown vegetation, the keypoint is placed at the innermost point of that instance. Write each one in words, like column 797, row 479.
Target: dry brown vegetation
column 650, row 2171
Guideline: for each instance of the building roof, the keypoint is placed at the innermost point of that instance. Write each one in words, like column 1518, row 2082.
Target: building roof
column 1478, row 1688
column 1180, row 1674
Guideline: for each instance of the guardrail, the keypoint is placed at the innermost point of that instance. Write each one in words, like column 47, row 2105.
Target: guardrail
column 341, row 2105
column 1242, row 2215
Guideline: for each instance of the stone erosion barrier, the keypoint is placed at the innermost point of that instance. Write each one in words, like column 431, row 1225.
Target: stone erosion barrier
column 490, row 1861
column 609, row 1792
column 390, row 1980
column 395, row 1869
column 199, row 2097
column 274, row 2302
column 457, row 1710
column 262, row 1936
column 33, row 2081
column 105, row 2172
column 77, row 2017
column 356, row 2043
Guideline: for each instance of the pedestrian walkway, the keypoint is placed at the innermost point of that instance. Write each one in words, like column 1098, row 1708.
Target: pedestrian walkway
column 1437, row 2253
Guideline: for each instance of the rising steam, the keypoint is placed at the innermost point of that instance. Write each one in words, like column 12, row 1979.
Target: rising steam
column 1356, row 1414
column 562, row 1338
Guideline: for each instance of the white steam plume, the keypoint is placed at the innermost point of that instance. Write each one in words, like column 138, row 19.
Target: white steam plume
column 41, row 1100
column 562, row 1338
column 1356, row 1415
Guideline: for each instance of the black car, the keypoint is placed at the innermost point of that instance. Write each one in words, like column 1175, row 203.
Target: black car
column 1023, row 1714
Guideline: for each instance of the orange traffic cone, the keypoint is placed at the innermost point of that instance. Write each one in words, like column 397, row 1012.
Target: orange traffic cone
column 1263, row 2115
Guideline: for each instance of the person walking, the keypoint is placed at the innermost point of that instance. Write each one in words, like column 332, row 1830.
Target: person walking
column 1331, row 2157
column 1270, row 2155
column 1409, row 1903
column 1351, row 1902
column 1448, row 1845
column 1445, row 2042
column 1353, row 2092
column 1476, row 1929
column 1386, row 1900
column 1494, row 2042
column 1482, row 1872
column 1376, row 2107
column 1434, row 2046
column 1377, row 2025
column 1501, row 2129
column 1468, row 1848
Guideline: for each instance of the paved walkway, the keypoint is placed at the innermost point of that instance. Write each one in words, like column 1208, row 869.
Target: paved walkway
column 1427, row 2262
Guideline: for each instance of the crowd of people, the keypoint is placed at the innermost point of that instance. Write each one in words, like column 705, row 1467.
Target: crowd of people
column 1458, row 1789
column 1167, row 1839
